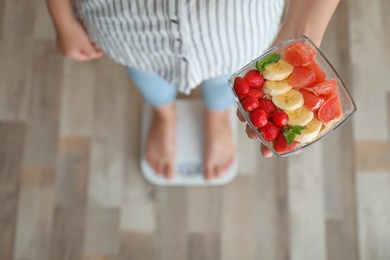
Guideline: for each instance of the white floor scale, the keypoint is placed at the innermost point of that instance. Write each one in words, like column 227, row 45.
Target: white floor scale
column 189, row 147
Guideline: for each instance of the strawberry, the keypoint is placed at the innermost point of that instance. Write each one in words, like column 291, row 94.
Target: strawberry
column 270, row 131
column 267, row 105
column 259, row 118
column 281, row 145
column 254, row 78
column 250, row 103
column 241, row 87
column 256, row 93
column 280, row 118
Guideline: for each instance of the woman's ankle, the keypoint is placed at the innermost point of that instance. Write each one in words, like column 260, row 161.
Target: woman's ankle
column 165, row 112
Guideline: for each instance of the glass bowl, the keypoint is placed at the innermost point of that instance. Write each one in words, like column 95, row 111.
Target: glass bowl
column 347, row 103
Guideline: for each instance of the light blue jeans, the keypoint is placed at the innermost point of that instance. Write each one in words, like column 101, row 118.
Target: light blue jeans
column 156, row 91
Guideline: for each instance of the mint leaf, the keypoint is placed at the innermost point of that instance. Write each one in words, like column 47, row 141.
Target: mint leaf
column 260, row 65
column 291, row 132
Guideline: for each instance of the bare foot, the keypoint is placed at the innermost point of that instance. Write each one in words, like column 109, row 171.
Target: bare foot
column 219, row 147
column 160, row 144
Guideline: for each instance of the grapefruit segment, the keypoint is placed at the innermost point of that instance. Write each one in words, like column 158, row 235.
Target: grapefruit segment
column 325, row 89
column 299, row 54
column 301, row 78
column 320, row 73
column 330, row 110
column 311, row 101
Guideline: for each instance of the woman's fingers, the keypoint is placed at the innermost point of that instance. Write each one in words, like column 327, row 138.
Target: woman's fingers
column 98, row 51
column 251, row 134
column 265, row 151
column 74, row 42
column 240, row 116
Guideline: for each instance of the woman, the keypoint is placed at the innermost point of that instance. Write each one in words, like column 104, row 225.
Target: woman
column 172, row 46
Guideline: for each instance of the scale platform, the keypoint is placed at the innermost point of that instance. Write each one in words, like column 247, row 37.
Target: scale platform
column 189, row 147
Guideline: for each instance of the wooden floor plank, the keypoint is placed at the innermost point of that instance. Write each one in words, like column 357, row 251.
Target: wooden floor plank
column 43, row 105
column 385, row 19
column 138, row 245
column 372, row 156
column 34, row 221
column 77, row 98
column 45, row 88
column 37, row 177
column 373, row 191
column 8, row 213
column 240, row 219
column 204, row 212
column 255, row 221
column 306, row 205
column 2, row 13
column 102, row 231
column 115, row 111
column 35, row 214
column 67, row 233
column 41, row 143
column 113, row 97
column 106, row 178
column 72, row 171
column 341, row 240
column 172, row 223
column 248, row 152
column 139, row 204
column 340, row 200
column 43, row 27
column 339, row 155
column 203, row 247
column 280, row 199
column 238, row 236
column 15, row 75
column 98, row 257
column 12, row 136
column 368, row 32
column 18, row 21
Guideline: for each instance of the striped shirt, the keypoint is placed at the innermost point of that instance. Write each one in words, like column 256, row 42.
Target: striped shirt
column 183, row 41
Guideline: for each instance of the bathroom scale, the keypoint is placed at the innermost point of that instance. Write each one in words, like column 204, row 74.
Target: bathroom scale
column 189, row 147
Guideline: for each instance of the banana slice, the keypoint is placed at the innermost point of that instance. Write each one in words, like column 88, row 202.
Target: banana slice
column 278, row 70
column 275, row 88
column 291, row 100
column 301, row 116
column 310, row 132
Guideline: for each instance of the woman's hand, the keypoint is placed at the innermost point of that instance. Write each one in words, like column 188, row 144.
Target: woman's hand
column 264, row 150
column 305, row 17
column 72, row 39
column 74, row 42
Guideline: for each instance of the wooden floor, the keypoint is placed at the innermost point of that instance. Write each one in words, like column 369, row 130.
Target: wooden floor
column 71, row 188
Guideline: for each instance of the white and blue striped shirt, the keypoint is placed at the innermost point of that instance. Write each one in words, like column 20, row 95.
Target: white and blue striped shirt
column 184, row 41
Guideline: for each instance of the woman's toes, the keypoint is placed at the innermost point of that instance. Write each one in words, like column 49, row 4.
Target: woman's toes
column 208, row 173
column 228, row 164
column 169, row 171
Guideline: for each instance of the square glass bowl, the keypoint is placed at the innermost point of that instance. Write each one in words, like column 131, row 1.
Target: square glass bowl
column 347, row 103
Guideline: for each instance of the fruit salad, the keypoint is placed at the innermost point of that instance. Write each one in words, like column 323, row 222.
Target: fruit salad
column 289, row 99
